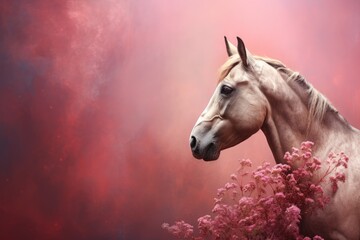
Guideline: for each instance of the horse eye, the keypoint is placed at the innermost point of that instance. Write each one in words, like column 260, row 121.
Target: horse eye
column 226, row 90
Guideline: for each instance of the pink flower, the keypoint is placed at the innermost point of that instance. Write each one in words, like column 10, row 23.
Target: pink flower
column 165, row 225
column 309, row 201
column 179, row 229
column 280, row 196
column 293, row 213
column 233, row 177
column 245, row 163
column 249, row 187
column 221, row 191
column 287, row 156
column 230, row 186
column 307, row 145
column 246, row 201
column 316, row 161
column 340, row 176
column 217, row 200
column 306, row 155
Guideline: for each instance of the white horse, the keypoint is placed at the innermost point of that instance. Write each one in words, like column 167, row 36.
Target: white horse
column 256, row 93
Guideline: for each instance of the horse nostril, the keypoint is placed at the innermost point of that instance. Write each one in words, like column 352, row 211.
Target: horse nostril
column 193, row 142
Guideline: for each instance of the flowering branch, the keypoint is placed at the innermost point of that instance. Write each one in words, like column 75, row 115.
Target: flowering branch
column 282, row 195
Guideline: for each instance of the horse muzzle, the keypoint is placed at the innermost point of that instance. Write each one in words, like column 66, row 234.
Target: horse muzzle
column 202, row 149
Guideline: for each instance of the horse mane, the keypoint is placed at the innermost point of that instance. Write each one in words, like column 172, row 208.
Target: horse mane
column 318, row 104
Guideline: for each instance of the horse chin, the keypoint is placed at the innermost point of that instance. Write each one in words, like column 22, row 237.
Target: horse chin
column 211, row 157
column 211, row 153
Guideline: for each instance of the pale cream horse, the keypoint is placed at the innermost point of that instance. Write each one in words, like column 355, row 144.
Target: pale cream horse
column 256, row 93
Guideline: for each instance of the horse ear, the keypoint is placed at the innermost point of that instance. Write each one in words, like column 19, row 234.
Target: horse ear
column 242, row 52
column 231, row 49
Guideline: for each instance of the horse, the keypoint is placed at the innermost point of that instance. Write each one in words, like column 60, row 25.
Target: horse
column 257, row 93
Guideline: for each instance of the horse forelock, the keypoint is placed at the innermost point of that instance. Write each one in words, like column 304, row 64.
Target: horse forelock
column 318, row 104
column 231, row 62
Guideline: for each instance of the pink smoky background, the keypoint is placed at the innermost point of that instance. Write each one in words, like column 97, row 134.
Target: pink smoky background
column 98, row 98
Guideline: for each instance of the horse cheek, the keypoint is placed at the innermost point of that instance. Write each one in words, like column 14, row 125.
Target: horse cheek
column 248, row 123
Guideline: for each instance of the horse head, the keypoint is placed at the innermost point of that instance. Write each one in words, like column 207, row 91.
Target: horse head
column 237, row 108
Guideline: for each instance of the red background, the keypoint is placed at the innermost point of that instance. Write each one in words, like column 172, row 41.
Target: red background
column 97, row 100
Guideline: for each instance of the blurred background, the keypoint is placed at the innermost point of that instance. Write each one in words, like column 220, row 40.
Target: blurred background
column 98, row 98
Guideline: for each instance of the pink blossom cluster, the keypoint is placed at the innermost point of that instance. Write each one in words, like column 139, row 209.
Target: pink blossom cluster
column 268, row 202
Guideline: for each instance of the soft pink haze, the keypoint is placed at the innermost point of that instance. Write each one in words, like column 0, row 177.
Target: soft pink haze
column 98, row 98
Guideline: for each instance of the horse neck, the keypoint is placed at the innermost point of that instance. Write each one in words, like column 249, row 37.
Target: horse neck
column 289, row 123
